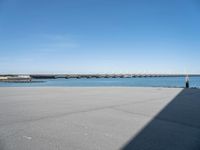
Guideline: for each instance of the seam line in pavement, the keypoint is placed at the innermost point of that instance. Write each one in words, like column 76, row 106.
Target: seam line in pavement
column 78, row 112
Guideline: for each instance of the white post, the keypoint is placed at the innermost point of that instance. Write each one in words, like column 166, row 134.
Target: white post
column 187, row 82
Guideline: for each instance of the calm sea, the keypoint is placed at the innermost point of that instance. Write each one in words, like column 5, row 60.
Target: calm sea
column 126, row 82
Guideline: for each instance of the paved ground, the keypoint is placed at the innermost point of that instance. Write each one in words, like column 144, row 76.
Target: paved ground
column 99, row 119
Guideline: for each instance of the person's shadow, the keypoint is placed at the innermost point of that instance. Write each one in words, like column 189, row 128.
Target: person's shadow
column 176, row 127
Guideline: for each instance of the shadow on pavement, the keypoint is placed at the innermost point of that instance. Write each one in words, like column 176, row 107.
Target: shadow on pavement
column 176, row 127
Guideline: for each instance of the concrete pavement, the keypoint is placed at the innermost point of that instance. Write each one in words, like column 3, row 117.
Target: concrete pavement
column 62, row 118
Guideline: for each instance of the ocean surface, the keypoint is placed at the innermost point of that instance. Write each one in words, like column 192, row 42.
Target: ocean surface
column 125, row 82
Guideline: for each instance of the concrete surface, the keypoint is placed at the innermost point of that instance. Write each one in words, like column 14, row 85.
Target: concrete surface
column 54, row 118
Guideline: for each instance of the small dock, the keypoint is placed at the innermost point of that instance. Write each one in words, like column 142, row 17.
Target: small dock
column 15, row 78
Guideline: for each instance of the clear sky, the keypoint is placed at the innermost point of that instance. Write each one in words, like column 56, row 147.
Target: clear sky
column 99, row 36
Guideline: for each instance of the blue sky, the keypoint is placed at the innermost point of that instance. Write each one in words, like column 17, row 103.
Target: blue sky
column 99, row 36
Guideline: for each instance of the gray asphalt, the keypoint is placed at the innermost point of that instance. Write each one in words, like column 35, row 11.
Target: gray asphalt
column 61, row 118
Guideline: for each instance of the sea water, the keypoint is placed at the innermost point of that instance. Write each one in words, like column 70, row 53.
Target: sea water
column 112, row 82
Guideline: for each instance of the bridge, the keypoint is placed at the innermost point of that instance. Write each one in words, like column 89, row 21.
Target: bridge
column 78, row 76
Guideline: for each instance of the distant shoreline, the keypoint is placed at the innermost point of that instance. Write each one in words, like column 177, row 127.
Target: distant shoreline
column 88, row 76
column 6, row 81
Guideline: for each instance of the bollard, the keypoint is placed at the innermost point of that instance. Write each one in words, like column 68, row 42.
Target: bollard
column 187, row 85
